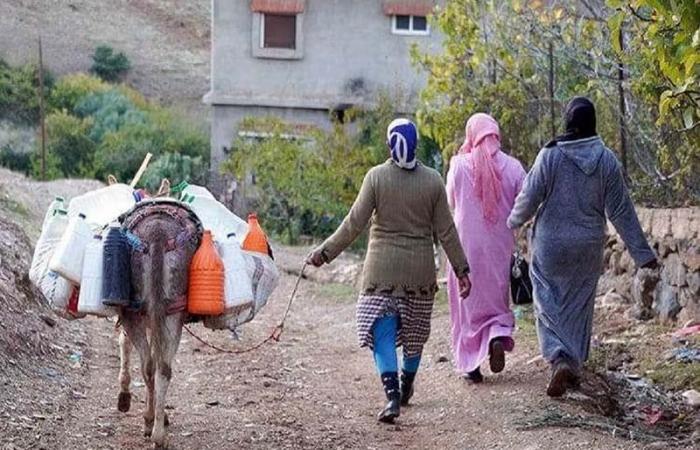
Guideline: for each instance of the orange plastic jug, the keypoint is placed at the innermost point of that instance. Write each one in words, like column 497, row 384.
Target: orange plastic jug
column 206, row 283
column 255, row 240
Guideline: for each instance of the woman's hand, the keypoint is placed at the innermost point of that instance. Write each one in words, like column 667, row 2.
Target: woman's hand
column 465, row 286
column 315, row 258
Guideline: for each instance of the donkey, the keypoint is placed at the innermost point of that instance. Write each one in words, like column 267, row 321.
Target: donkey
column 164, row 237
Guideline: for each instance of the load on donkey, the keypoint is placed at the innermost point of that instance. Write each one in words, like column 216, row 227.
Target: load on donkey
column 156, row 263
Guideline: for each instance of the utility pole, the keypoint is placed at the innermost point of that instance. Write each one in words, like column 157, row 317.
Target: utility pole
column 623, row 104
column 42, row 113
column 551, row 91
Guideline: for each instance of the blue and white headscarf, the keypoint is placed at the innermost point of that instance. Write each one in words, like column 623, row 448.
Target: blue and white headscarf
column 402, row 139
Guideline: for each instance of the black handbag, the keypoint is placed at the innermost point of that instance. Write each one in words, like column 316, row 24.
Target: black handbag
column 520, row 283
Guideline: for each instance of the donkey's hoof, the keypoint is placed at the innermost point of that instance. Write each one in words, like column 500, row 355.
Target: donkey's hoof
column 166, row 421
column 124, row 402
column 147, row 427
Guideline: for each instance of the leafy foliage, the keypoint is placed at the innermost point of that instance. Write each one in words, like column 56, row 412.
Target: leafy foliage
column 72, row 89
column 70, row 148
column 19, row 89
column 108, row 65
column 304, row 181
column 176, row 167
column 496, row 59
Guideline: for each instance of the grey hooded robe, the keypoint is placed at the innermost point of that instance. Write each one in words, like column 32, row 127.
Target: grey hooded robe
column 571, row 188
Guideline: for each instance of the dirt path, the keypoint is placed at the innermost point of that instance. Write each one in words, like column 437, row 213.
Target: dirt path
column 314, row 389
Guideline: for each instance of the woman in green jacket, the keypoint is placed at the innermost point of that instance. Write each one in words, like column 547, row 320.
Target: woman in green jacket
column 406, row 206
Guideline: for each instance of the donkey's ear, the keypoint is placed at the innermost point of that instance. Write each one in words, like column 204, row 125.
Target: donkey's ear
column 111, row 179
column 164, row 189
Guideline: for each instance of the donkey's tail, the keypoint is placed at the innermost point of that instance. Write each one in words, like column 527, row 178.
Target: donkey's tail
column 157, row 303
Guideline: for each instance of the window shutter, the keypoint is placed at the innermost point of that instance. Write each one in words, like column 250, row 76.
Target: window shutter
column 278, row 6
column 408, row 7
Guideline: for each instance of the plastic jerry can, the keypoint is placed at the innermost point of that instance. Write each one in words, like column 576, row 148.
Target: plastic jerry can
column 90, row 299
column 217, row 218
column 206, row 282
column 103, row 206
column 238, row 287
column 116, row 268
column 67, row 260
column 56, row 204
column 255, row 240
column 51, row 235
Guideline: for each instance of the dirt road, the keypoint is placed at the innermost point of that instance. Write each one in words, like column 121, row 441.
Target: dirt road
column 314, row 389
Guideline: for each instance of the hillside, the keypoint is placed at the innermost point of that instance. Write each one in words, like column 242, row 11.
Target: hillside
column 167, row 41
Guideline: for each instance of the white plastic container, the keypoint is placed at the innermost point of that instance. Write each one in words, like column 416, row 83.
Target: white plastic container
column 90, row 300
column 51, row 234
column 195, row 191
column 264, row 276
column 238, row 288
column 57, row 291
column 56, row 204
column 67, row 260
column 103, row 206
column 217, row 218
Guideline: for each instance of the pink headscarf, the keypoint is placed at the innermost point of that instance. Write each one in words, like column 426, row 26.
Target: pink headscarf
column 483, row 141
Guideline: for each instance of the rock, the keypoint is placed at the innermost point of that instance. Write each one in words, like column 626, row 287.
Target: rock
column 626, row 262
column 692, row 398
column 661, row 224
column 50, row 321
column 693, row 282
column 643, row 289
column 691, row 258
column 611, row 300
column 690, row 313
column 615, row 265
column 666, row 303
column 681, row 224
column 674, row 271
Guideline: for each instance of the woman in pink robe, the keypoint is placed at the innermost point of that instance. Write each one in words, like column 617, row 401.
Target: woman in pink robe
column 482, row 184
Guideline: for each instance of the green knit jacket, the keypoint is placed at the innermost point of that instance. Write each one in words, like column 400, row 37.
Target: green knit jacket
column 406, row 210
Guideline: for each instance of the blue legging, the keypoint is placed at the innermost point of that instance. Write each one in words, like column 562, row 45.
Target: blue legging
column 384, row 332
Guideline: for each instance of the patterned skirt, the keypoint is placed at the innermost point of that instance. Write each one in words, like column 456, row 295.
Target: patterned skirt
column 414, row 320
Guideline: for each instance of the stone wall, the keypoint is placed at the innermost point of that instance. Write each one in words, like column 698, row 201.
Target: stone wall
column 671, row 293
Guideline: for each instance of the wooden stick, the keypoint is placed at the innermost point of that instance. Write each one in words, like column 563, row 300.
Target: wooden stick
column 141, row 170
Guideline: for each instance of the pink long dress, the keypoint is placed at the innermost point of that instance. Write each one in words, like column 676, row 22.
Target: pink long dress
column 485, row 314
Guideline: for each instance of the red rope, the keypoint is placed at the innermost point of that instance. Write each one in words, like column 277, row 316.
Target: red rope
column 274, row 336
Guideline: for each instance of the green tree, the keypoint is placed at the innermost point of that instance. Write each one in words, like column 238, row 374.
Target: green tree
column 70, row 151
column 108, row 65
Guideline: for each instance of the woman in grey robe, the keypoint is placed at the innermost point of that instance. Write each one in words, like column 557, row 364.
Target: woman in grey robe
column 574, row 184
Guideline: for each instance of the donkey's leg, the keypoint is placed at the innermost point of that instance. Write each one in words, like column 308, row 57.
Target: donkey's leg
column 136, row 328
column 124, row 401
column 172, row 331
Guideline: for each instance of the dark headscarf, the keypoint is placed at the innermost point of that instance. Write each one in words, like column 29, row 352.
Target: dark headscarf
column 579, row 118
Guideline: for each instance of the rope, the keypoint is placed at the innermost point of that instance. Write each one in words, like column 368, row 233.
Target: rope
column 274, row 335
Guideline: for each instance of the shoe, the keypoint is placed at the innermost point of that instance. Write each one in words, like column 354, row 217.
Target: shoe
column 391, row 411
column 474, row 376
column 407, row 379
column 563, row 377
column 497, row 356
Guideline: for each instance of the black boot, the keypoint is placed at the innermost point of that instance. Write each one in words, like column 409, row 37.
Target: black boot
column 391, row 411
column 407, row 379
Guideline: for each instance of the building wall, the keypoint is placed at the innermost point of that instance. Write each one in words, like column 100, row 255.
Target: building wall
column 348, row 55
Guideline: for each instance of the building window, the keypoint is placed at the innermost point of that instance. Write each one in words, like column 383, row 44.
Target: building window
column 278, row 35
column 278, row 31
column 410, row 25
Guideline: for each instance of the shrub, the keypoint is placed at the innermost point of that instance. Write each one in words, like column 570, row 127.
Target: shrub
column 121, row 152
column 176, row 168
column 70, row 151
column 70, row 90
column 108, row 65
column 109, row 110
column 19, row 99
column 17, row 161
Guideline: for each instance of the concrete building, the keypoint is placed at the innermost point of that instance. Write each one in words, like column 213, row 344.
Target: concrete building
column 303, row 60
